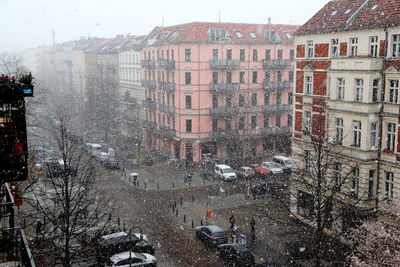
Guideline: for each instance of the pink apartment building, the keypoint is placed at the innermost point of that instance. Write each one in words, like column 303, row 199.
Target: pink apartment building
column 218, row 88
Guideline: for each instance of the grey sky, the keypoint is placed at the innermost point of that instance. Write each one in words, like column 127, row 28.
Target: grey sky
column 27, row 23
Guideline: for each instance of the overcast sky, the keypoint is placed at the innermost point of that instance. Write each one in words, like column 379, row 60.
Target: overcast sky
column 28, row 23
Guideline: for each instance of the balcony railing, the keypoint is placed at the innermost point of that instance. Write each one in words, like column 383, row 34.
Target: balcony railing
column 147, row 63
column 276, row 63
column 166, row 63
column 167, row 86
column 224, row 134
column 223, row 87
column 149, row 104
column 148, row 84
column 221, row 111
column 277, row 108
column 276, row 130
column 277, row 85
column 17, row 248
column 224, row 64
column 149, row 125
column 167, row 109
column 167, row 132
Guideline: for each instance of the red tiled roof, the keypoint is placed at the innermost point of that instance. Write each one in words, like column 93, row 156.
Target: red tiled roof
column 333, row 16
column 198, row 32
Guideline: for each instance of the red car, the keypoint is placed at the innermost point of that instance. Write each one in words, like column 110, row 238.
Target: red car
column 259, row 170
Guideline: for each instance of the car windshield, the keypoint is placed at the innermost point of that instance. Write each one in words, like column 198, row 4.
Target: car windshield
column 274, row 165
column 288, row 162
column 218, row 234
column 227, row 170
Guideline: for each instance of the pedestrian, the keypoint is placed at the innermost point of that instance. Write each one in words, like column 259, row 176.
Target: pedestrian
column 39, row 225
column 232, row 222
column 253, row 229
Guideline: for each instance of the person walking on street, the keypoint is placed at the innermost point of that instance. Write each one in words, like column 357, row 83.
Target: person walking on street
column 253, row 229
column 232, row 222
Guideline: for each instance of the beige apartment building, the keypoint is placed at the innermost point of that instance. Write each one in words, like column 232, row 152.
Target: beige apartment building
column 347, row 89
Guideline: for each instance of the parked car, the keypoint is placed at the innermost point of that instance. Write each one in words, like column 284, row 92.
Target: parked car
column 236, row 255
column 224, row 172
column 263, row 187
column 111, row 163
column 102, row 156
column 51, row 167
column 285, row 162
column 245, row 172
column 127, row 258
column 259, row 170
column 273, row 166
column 119, row 242
column 94, row 149
column 211, row 235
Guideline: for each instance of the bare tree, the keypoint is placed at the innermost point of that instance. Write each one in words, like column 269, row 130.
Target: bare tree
column 69, row 200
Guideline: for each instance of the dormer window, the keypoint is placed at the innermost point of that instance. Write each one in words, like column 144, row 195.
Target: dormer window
column 374, row 7
column 271, row 36
column 239, row 34
column 347, row 11
column 334, row 13
column 288, row 35
column 252, row 34
column 217, row 34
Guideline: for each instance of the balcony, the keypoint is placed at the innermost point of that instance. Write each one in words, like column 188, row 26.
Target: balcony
column 149, row 104
column 223, row 111
column 277, row 108
column 224, row 64
column 277, row 85
column 276, row 63
column 276, row 130
column 224, row 87
column 148, row 84
column 166, row 63
column 224, row 134
column 167, row 109
column 149, row 125
column 147, row 63
column 167, row 132
column 169, row 87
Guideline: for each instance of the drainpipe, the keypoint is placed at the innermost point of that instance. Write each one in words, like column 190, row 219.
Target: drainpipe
column 382, row 98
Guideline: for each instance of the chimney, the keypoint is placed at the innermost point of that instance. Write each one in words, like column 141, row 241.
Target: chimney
column 269, row 20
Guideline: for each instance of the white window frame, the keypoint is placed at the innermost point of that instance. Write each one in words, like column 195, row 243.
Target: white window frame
column 341, row 85
column 355, row 179
column 393, row 91
column 391, row 136
column 310, row 49
column 396, row 45
column 353, row 47
column 339, row 130
column 359, row 89
column 356, row 133
column 373, row 135
column 373, row 46
column 308, row 84
column 389, row 185
column 376, row 84
column 307, row 121
column 335, row 48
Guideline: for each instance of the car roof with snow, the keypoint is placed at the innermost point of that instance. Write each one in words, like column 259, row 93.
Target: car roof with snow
column 222, row 166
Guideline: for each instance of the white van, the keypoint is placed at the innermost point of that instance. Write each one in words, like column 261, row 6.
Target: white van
column 94, row 149
column 224, row 172
column 285, row 162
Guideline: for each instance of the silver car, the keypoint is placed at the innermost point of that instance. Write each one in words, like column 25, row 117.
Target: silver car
column 272, row 166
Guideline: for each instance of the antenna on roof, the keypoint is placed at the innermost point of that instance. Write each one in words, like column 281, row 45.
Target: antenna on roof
column 53, row 35
column 219, row 16
column 269, row 20
column 162, row 22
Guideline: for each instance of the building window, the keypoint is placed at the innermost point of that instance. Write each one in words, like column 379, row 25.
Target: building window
column 242, row 54
column 241, row 77
column 278, row 120
column 215, row 54
column 307, row 122
column 188, row 101
column 337, row 176
column 355, row 177
column 305, row 205
column 241, row 100
column 267, row 76
column 340, row 88
column 278, row 96
column 241, row 123
column 307, row 160
column 375, row 90
column 371, row 184
column 228, row 123
column 280, row 54
column 188, row 54
column 339, row 131
column 229, row 77
column 255, row 74
column 289, row 120
column 228, row 100
column 291, row 56
column 356, row 133
column 310, row 49
column 188, row 78
column 308, row 85
column 279, row 76
column 214, row 101
column 254, row 99
column 389, row 184
column 266, row 98
column 290, row 98
column 335, row 47
column 359, row 90
column 373, row 46
column 393, row 91
column 215, row 125
column 189, row 126
column 353, row 47
column 253, row 122
column 267, row 54
column 373, row 139
column 391, row 136
column 255, row 55
column 215, row 77
column 396, row 45
column 291, row 76
column 266, row 120
column 229, row 54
